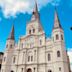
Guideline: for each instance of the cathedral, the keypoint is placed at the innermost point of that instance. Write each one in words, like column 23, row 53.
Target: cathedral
column 35, row 52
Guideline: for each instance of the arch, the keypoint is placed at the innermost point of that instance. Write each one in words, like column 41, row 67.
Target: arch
column 49, row 71
column 29, row 70
column 62, row 37
column 58, row 54
column 49, row 57
column 12, row 71
column 40, row 42
column 14, row 58
column 29, row 31
column 57, row 37
column 33, row 30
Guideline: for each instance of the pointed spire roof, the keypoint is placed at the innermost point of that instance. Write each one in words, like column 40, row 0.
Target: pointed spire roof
column 11, row 36
column 35, row 17
column 35, row 14
column 56, row 21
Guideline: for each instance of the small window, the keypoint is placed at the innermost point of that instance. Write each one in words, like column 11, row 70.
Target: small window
column 58, row 53
column 57, row 37
column 14, row 60
column 49, row 57
column 59, row 68
column 40, row 42
column 62, row 37
column 33, row 30
column 35, row 51
column 28, row 58
column 34, row 69
column 31, row 58
column 11, row 46
column 29, row 31
column 21, row 69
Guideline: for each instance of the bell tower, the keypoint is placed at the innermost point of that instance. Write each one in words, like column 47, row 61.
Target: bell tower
column 57, row 33
column 59, row 50
column 7, row 59
column 11, row 39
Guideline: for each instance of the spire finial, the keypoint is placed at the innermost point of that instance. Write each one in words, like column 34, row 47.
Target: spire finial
column 11, row 36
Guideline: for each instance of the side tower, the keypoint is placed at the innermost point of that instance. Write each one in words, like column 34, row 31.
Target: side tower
column 59, row 52
column 7, row 59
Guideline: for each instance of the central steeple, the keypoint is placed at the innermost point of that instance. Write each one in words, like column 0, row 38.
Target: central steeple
column 35, row 14
column 34, row 26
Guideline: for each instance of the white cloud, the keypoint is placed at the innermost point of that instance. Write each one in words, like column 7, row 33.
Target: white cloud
column 70, row 56
column 12, row 7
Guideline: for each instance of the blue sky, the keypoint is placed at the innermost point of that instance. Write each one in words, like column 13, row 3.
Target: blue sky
column 18, row 12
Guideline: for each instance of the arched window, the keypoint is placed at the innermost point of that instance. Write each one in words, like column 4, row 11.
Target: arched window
column 28, row 58
column 40, row 42
column 14, row 60
column 62, row 37
column 12, row 71
column 57, row 37
column 21, row 69
column 59, row 68
column 49, row 57
column 31, row 58
column 11, row 46
column 58, row 54
column 34, row 69
column 29, row 31
column 49, row 71
column 33, row 30
column 29, row 70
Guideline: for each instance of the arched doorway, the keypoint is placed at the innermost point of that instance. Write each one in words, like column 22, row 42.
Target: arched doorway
column 29, row 70
column 12, row 71
column 49, row 71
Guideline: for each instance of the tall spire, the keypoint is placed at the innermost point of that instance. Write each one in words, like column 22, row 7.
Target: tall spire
column 35, row 14
column 56, row 21
column 11, row 36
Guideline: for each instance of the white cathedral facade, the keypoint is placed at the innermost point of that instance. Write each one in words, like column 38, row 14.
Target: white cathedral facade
column 34, row 52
